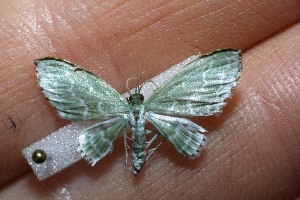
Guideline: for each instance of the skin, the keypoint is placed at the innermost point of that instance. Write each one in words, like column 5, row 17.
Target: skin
column 253, row 147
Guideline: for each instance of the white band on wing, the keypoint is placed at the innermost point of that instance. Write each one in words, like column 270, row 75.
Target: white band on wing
column 60, row 146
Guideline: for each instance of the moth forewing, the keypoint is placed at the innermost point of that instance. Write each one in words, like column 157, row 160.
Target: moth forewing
column 76, row 93
column 201, row 88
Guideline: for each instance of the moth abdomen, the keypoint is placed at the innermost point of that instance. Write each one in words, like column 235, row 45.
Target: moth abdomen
column 138, row 159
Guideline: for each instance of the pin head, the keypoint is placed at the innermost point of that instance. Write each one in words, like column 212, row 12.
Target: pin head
column 39, row 156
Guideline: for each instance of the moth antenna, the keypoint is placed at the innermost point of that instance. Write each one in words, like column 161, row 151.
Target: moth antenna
column 127, row 82
column 142, row 74
column 129, row 79
column 137, row 89
column 148, row 81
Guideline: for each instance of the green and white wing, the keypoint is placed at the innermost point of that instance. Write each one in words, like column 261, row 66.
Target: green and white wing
column 183, row 134
column 97, row 141
column 76, row 93
column 201, row 88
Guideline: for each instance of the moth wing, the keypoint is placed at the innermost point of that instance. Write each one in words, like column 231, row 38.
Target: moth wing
column 76, row 93
column 97, row 141
column 201, row 88
column 183, row 134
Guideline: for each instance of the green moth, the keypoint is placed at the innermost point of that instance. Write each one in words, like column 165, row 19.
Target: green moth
column 200, row 89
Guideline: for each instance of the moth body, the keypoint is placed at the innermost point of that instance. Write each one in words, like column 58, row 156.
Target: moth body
column 137, row 123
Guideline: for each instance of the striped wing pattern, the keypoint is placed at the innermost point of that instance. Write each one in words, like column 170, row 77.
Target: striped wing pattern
column 77, row 94
column 183, row 134
column 97, row 141
column 201, row 88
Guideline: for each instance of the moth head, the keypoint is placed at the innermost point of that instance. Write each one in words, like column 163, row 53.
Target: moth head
column 135, row 99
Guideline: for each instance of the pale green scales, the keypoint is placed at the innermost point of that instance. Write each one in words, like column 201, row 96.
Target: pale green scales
column 200, row 89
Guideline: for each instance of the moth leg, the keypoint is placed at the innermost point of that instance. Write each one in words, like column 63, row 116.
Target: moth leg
column 152, row 139
column 149, row 131
column 151, row 151
column 126, row 146
column 149, row 143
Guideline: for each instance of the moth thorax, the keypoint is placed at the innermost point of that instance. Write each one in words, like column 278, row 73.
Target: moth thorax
column 136, row 116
